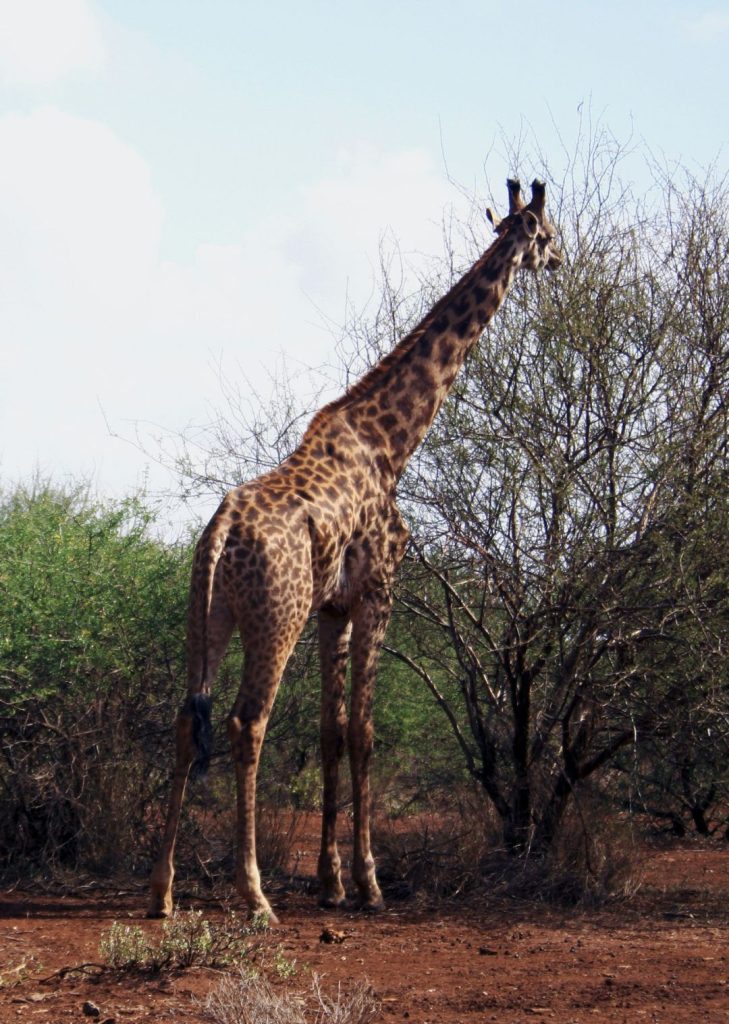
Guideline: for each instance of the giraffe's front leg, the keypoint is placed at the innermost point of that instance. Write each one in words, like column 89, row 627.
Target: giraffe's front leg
column 334, row 634
column 266, row 655
column 370, row 623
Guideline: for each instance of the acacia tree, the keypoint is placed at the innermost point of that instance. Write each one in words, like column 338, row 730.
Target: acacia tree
column 568, row 502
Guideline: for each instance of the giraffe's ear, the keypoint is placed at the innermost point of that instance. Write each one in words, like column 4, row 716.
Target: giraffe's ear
column 530, row 223
column 492, row 219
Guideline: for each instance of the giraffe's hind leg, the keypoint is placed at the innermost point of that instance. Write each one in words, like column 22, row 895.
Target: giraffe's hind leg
column 265, row 660
column 192, row 724
column 160, row 902
column 334, row 633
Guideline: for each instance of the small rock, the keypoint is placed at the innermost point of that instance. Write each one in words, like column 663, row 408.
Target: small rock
column 91, row 1009
column 331, row 935
column 487, row 951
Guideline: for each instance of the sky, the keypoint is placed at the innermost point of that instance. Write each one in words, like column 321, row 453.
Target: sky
column 192, row 193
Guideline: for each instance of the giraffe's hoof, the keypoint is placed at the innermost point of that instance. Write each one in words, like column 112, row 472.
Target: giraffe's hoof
column 332, row 894
column 332, row 902
column 372, row 905
column 159, row 906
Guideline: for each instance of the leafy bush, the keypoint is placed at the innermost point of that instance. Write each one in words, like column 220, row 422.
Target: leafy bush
column 187, row 940
column 91, row 658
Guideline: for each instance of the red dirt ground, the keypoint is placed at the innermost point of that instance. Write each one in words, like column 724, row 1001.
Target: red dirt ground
column 664, row 956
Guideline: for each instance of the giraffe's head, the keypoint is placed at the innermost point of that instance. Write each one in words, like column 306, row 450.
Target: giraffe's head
column 531, row 226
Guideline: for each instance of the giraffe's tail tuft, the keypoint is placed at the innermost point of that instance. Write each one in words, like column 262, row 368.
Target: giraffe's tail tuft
column 199, row 707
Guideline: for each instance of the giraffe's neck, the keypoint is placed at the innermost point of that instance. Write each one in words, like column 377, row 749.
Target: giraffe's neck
column 394, row 404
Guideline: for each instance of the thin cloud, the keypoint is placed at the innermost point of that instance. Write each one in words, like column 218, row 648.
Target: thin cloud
column 42, row 41
column 709, row 26
column 81, row 221
column 91, row 312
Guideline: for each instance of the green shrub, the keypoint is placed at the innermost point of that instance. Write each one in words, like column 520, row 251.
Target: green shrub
column 187, row 940
column 92, row 612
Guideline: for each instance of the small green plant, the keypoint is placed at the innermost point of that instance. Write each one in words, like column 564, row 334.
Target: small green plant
column 187, row 940
column 12, row 976
column 259, row 922
column 125, row 947
column 283, row 967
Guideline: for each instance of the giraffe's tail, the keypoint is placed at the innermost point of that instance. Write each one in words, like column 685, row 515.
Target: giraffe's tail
column 198, row 705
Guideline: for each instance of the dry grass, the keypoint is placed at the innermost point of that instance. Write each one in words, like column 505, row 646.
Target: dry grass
column 593, row 860
column 358, row 1006
column 243, row 998
column 437, row 852
column 275, row 834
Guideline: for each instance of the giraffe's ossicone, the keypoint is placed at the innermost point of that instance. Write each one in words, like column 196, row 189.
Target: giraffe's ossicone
column 322, row 533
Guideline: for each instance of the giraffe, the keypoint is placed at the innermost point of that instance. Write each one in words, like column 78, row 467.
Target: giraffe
column 322, row 533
